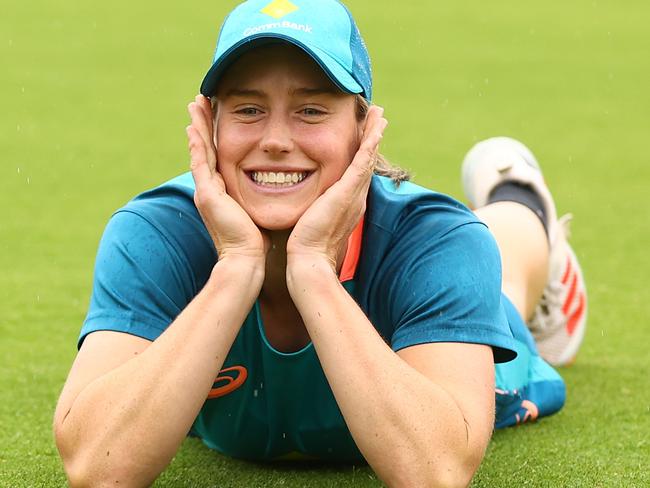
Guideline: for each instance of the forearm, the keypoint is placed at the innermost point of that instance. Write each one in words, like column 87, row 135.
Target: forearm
column 410, row 430
column 129, row 423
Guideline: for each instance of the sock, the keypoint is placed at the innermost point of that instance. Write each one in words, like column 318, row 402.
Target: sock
column 511, row 191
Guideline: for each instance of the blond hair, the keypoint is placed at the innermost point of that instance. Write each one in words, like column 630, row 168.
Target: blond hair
column 383, row 167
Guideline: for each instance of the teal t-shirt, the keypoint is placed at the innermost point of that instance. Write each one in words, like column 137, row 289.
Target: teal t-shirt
column 284, row 406
column 427, row 271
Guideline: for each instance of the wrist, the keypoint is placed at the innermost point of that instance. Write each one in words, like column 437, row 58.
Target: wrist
column 247, row 272
column 310, row 270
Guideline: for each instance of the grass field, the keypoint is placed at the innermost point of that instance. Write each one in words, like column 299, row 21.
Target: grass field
column 93, row 97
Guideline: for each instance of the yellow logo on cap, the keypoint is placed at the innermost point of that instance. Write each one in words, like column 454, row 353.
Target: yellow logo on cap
column 279, row 8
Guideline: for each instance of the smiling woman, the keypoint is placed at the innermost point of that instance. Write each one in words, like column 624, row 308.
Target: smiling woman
column 284, row 298
column 280, row 118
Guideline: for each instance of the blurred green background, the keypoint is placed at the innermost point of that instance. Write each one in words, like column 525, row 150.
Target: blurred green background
column 93, row 97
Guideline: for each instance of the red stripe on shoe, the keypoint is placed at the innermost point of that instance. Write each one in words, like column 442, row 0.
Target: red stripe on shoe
column 572, row 323
column 567, row 271
column 572, row 292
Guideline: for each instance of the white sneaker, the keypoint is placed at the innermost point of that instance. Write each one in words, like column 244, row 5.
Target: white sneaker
column 560, row 319
column 559, row 322
column 501, row 159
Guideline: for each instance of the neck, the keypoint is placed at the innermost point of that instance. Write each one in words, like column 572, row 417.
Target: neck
column 283, row 324
column 274, row 289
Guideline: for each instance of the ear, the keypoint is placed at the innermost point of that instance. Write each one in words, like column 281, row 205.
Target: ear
column 361, row 110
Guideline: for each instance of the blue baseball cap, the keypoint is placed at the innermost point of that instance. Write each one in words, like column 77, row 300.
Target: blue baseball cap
column 324, row 29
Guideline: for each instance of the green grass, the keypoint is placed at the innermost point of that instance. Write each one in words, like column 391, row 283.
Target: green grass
column 93, row 99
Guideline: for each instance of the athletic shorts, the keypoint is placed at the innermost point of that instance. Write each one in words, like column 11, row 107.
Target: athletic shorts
column 527, row 387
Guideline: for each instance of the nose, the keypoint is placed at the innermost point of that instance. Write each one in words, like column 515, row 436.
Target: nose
column 277, row 137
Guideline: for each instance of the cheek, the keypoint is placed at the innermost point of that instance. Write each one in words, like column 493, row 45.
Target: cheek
column 231, row 149
column 334, row 149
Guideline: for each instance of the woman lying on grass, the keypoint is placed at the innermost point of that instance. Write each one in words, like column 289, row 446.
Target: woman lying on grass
column 294, row 297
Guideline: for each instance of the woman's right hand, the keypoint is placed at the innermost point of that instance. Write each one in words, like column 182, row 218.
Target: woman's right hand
column 232, row 230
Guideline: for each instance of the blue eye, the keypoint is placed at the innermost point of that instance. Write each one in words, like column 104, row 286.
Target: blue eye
column 248, row 111
column 312, row 112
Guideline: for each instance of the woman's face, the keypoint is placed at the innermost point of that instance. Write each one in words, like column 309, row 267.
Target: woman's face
column 284, row 133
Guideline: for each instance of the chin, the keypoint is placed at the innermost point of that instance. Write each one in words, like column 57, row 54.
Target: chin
column 267, row 222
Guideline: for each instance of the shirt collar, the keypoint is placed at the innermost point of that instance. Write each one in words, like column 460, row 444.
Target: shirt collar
column 352, row 253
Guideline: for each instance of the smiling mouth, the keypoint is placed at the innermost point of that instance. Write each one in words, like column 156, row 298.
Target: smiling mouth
column 278, row 179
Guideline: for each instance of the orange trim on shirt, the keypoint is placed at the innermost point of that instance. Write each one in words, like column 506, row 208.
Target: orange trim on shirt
column 352, row 253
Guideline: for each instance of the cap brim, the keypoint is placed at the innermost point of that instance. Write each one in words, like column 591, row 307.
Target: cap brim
column 337, row 73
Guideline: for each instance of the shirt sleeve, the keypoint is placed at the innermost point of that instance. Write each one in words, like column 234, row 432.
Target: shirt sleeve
column 142, row 278
column 447, row 288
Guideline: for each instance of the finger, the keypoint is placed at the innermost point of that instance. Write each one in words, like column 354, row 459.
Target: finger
column 374, row 127
column 372, row 134
column 363, row 164
column 206, row 107
column 199, row 121
column 201, row 124
column 201, row 171
column 355, row 182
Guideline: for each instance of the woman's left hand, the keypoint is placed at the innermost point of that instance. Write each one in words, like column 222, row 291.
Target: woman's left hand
column 326, row 225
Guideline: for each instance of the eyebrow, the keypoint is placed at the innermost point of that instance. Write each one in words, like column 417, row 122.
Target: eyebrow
column 239, row 92
column 325, row 90
column 242, row 92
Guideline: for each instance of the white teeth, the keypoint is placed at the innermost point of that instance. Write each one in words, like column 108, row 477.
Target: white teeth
column 277, row 179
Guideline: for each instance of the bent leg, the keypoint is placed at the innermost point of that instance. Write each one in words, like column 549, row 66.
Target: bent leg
column 527, row 388
column 523, row 245
column 503, row 180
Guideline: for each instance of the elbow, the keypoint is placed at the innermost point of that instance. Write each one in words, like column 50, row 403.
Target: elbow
column 435, row 478
column 77, row 471
column 68, row 451
column 452, row 476
column 454, row 467
column 78, row 477
column 82, row 478
column 83, row 474
column 455, row 472
column 85, row 467
column 439, row 472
